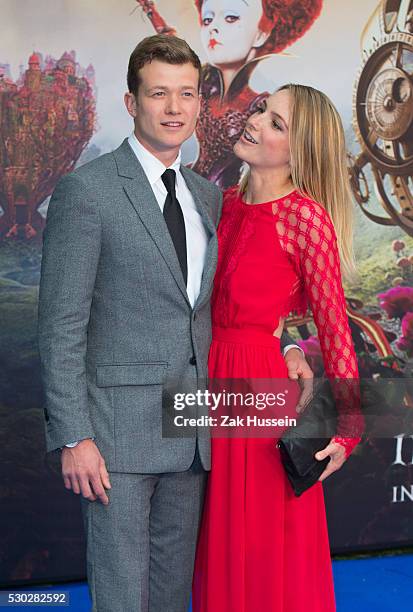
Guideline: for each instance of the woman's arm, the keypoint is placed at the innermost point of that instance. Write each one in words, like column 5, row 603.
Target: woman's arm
column 320, row 267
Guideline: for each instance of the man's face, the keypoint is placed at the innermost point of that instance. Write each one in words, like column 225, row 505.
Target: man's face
column 167, row 106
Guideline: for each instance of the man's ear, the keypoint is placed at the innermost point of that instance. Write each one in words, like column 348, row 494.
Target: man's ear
column 199, row 105
column 260, row 39
column 130, row 103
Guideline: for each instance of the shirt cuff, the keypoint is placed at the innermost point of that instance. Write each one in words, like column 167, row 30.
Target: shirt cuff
column 73, row 444
column 292, row 346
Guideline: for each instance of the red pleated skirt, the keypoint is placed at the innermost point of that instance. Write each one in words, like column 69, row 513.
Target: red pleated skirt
column 260, row 548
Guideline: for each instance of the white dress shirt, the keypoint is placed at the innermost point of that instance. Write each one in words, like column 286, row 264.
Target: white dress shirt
column 196, row 235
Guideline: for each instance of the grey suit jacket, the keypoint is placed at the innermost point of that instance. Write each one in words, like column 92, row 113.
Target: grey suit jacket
column 115, row 322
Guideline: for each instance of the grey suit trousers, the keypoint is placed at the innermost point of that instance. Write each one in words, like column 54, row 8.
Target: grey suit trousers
column 141, row 546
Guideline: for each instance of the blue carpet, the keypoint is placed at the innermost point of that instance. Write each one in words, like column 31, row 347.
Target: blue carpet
column 376, row 584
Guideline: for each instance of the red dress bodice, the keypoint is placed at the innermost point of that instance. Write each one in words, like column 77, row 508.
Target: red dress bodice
column 282, row 256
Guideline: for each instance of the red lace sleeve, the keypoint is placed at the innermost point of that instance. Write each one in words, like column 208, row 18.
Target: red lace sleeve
column 309, row 235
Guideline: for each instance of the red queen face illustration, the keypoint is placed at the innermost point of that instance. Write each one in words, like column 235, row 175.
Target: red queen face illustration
column 231, row 30
column 236, row 31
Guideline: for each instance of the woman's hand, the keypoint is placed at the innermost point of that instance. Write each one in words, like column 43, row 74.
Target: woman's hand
column 337, row 454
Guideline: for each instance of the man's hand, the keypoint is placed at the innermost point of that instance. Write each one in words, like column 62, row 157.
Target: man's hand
column 337, row 454
column 298, row 369
column 84, row 471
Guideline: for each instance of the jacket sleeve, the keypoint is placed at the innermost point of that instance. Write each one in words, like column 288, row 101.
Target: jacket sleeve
column 71, row 249
column 286, row 340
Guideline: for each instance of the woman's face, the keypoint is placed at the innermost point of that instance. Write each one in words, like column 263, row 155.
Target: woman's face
column 230, row 31
column 265, row 140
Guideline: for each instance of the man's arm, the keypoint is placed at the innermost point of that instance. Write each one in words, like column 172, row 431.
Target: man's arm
column 298, row 368
column 287, row 343
column 71, row 248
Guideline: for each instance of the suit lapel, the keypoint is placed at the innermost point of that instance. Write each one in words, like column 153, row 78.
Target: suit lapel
column 142, row 198
column 211, row 255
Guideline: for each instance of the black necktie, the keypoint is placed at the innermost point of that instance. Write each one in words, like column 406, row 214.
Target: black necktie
column 174, row 218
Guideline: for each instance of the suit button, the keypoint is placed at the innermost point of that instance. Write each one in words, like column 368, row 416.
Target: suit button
column 192, row 361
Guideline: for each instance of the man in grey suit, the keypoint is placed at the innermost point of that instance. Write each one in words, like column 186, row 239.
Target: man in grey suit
column 129, row 256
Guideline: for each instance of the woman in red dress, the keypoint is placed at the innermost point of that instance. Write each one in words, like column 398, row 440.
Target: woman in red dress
column 282, row 235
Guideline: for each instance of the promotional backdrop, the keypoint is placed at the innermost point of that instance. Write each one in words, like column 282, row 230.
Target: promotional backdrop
column 62, row 79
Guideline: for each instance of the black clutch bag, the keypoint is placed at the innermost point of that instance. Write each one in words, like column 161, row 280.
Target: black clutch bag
column 315, row 427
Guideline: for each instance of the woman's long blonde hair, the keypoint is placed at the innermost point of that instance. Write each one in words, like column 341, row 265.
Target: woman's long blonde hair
column 318, row 161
